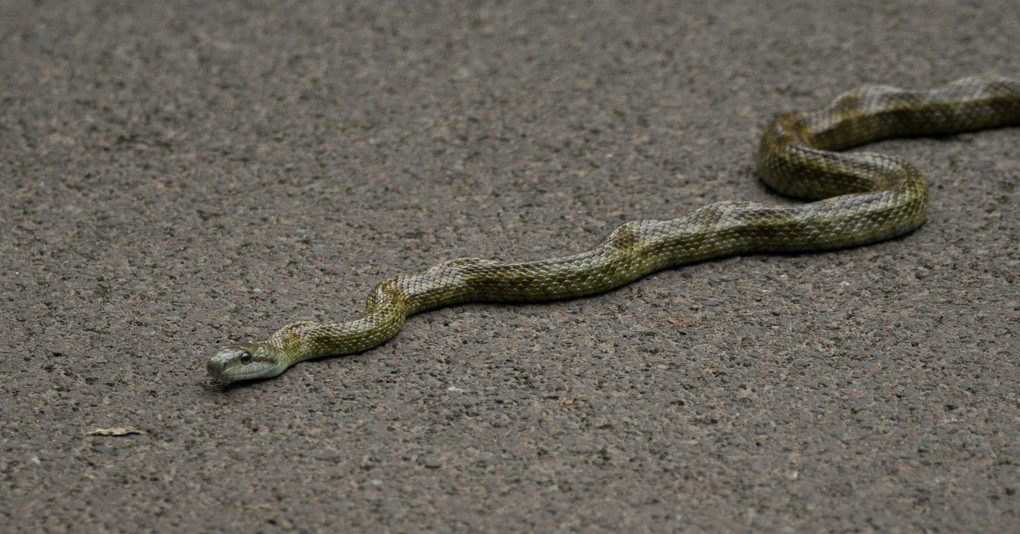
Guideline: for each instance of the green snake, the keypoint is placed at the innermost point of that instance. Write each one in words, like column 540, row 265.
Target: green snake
column 858, row 198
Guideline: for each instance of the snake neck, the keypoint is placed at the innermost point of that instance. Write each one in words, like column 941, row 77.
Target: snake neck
column 304, row 340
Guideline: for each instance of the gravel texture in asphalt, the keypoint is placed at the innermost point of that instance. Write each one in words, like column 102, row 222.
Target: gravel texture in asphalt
column 177, row 175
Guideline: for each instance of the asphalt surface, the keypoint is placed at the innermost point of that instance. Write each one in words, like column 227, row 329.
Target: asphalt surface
column 176, row 175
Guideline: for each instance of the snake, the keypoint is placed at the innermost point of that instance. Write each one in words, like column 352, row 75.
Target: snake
column 854, row 198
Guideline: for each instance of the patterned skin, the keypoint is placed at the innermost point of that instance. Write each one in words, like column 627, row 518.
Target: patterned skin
column 859, row 198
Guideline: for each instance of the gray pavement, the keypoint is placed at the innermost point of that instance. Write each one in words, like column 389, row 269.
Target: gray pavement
column 176, row 175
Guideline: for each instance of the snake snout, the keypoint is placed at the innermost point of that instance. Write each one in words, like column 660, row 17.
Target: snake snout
column 215, row 368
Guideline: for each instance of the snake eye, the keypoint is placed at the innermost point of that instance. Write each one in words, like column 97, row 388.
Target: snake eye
column 245, row 357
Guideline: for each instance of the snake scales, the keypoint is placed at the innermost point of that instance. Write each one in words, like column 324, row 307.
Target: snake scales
column 859, row 198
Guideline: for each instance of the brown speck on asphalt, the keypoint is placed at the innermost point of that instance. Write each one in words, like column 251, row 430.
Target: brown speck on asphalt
column 179, row 175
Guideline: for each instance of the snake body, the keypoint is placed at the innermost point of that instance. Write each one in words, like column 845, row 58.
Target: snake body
column 858, row 198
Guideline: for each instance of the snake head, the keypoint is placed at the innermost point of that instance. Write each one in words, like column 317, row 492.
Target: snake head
column 243, row 361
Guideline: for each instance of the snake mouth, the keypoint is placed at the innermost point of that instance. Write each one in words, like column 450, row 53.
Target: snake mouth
column 252, row 371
